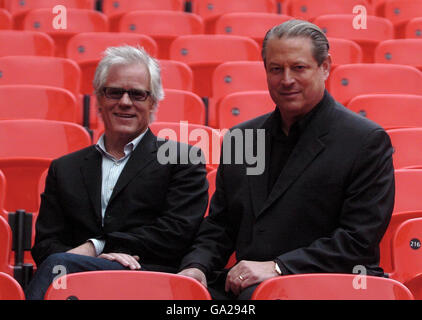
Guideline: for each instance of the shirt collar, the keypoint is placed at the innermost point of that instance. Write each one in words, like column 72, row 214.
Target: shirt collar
column 128, row 149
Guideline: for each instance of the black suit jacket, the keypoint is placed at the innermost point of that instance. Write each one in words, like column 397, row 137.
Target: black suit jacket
column 327, row 212
column 154, row 210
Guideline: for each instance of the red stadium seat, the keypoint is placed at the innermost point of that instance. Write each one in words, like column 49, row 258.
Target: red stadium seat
column 249, row 24
column 86, row 48
column 408, row 190
column 37, row 102
column 414, row 28
column 203, row 53
column 5, row 245
column 180, row 105
column 19, row 8
column 310, row 9
column 6, row 21
column 25, row 43
column 78, row 20
column 162, row 26
column 407, row 151
column 389, row 110
column 127, row 285
column 10, row 289
column 386, row 244
column 115, row 9
column 176, row 75
column 351, row 80
column 344, row 51
column 211, row 10
column 343, row 26
column 400, row 51
column 204, row 137
column 241, row 106
column 400, row 12
column 331, row 286
column 41, row 138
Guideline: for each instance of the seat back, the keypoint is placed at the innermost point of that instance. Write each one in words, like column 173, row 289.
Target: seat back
column 331, row 287
column 25, row 43
column 414, row 28
column 350, row 80
column 5, row 246
column 176, row 75
column 48, row 71
column 37, row 102
column 310, row 9
column 343, row 26
column 241, row 106
column 77, row 20
column 10, row 289
column 400, row 51
column 162, row 26
column 211, row 10
column 127, row 285
column 389, row 110
column 399, row 12
column 6, row 21
column 204, row 137
column 180, row 105
column 41, row 138
column 407, row 251
column 344, row 51
column 408, row 190
column 203, row 53
column 406, row 144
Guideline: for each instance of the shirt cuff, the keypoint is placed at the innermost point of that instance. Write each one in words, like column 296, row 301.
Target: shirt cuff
column 98, row 245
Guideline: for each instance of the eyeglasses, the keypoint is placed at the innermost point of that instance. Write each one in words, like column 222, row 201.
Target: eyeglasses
column 134, row 94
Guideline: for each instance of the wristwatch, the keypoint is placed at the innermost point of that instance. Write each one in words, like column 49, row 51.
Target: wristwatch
column 277, row 269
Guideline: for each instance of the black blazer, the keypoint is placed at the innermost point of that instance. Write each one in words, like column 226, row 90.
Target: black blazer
column 327, row 212
column 154, row 210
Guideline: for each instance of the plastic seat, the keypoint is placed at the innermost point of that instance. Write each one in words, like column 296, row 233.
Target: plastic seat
column 179, row 105
column 48, row 71
column 211, row 10
column 176, row 75
column 249, row 24
column 331, row 287
column 41, row 138
column 400, row 12
column 19, row 8
column 162, row 26
column 78, row 20
column 386, row 244
column 389, row 110
column 86, row 49
column 235, row 76
column 342, row 26
column 350, row 80
column 408, row 189
column 37, row 102
column 6, row 21
column 5, row 245
column 407, row 251
column 344, row 51
column 204, row 137
column 310, row 9
column 10, row 289
column 128, row 285
column 115, row 9
column 241, row 106
column 400, row 51
column 203, row 53
column 26, row 43
column 406, row 143
column 414, row 28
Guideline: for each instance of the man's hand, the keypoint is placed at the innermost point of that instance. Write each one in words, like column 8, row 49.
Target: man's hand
column 196, row 274
column 248, row 273
column 86, row 249
column 131, row 262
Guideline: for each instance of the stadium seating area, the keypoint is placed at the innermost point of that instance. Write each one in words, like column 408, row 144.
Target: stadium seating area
column 214, row 78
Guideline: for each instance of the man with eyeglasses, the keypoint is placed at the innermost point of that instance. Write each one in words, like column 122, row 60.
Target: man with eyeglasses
column 113, row 206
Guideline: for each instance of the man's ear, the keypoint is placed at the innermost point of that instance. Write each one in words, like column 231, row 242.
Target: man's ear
column 326, row 67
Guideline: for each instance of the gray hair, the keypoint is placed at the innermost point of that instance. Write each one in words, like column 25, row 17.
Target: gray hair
column 300, row 28
column 126, row 55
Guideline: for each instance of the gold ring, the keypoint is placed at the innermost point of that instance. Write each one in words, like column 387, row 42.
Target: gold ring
column 241, row 278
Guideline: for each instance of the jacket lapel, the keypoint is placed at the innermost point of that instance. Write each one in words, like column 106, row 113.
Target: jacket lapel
column 91, row 172
column 143, row 154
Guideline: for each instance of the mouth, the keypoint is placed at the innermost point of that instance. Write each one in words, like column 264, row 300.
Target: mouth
column 124, row 115
column 289, row 94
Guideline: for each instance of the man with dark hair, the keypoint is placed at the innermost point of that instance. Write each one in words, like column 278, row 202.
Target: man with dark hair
column 326, row 195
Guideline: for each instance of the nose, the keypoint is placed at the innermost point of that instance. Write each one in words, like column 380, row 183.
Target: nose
column 125, row 99
column 287, row 78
